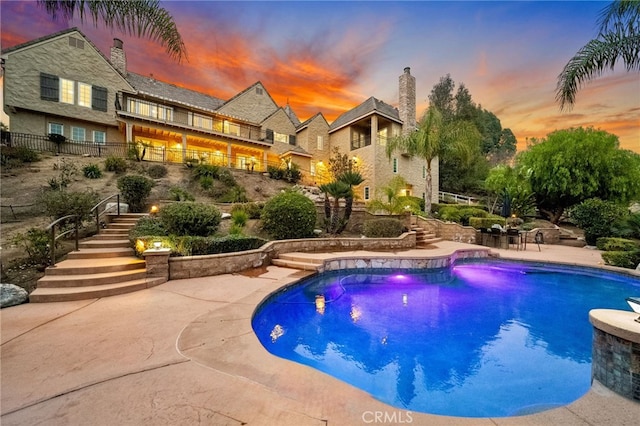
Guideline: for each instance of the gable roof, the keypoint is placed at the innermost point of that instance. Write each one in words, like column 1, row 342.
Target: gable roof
column 253, row 86
column 170, row 92
column 292, row 115
column 368, row 107
column 304, row 124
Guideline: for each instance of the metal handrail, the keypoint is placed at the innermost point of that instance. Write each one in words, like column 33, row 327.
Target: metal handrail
column 97, row 211
column 52, row 228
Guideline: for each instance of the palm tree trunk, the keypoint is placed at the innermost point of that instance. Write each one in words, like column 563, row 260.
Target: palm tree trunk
column 348, row 207
column 427, row 201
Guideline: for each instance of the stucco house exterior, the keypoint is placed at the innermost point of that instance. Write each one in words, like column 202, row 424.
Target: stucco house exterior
column 63, row 84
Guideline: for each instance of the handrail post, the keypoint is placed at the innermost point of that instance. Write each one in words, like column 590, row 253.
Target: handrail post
column 53, row 245
column 118, row 203
column 77, row 220
column 97, row 221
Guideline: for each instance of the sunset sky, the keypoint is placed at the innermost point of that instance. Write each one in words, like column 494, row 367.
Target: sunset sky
column 330, row 56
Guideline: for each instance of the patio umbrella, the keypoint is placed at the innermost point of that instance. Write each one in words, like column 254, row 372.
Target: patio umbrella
column 506, row 205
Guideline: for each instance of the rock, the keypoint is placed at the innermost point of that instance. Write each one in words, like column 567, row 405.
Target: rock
column 638, row 267
column 226, row 215
column 11, row 295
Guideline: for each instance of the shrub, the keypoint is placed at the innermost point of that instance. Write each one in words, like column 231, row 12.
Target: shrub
column 67, row 171
column 487, row 222
column 115, row 164
column 289, row 215
column 414, row 200
column 36, row 243
column 622, row 259
column 190, row 218
column 239, row 218
column 195, row 246
column 253, row 209
column 157, row 171
column 290, row 174
column 616, row 244
column 206, row 182
column 596, row 218
column 63, row 203
column 92, row 171
column 460, row 213
column 21, row 154
column 235, row 194
column 226, row 177
column 135, row 189
column 208, row 170
column 147, row 226
column 178, row 194
column 275, row 172
column 382, row 228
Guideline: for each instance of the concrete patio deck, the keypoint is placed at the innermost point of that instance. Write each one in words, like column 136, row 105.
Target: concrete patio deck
column 184, row 353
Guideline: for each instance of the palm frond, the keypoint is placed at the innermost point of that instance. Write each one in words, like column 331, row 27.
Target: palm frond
column 141, row 18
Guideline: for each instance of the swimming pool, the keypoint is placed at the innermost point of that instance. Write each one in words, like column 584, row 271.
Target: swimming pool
column 479, row 339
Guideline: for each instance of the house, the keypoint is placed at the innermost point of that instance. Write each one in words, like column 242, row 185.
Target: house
column 62, row 84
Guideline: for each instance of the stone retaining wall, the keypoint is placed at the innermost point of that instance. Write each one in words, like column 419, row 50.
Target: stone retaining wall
column 226, row 263
column 449, row 231
column 616, row 364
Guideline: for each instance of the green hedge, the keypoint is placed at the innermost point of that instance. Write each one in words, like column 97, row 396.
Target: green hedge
column 196, row 246
column 624, row 259
column 486, row 222
column 616, row 244
column 382, row 228
column 460, row 213
column 190, row 218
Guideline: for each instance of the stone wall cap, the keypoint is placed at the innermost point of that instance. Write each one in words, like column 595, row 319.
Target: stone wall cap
column 617, row 323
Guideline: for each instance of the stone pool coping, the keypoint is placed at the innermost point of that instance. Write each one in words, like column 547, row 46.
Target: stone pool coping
column 184, row 352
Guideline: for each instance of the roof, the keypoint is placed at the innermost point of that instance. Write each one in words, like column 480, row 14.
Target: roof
column 368, row 107
column 48, row 37
column 292, row 115
column 304, row 124
column 171, row 92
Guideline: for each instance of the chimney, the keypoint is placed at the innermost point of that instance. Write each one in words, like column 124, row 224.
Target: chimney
column 407, row 101
column 118, row 57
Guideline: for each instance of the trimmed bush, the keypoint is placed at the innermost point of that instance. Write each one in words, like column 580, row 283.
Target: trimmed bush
column 146, row 227
column 197, row 246
column 115, row 164
column 157, row 171
column 190, row 218
column 92, row 171
column 487, row 222
column 382, row 228
column 135, row 189
column 58, row 204
column 460, row 213
column 414, row 200
column 616, row 244
column 622, row 259
column 289, row 215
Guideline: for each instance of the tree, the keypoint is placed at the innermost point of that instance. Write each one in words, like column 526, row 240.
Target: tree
column 142, row 18
column 389, row 200
column 572, row 165
column 441, row 97
column 431, row 139
column 618, row 39
column 341, row 188
column 506, row 181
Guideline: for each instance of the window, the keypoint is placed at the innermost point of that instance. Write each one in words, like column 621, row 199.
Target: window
column 149, row 109
column 312, row 171
column 201, row 121
column 241, row 162
column 395, row 165
column 359, row 138
column 77, row 43
column 67, row 92
column 366, row 193
column 99, row 98
column 77, row 134
column 84, row 95
column 320, row 143
column 56, row 129
column 99, row 137
column 259, row 91
column 49, row 87
column 382, row 137
column 280, row 137
column 231, row 128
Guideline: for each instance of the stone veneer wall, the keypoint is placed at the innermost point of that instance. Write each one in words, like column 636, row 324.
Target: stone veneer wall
column 226, row 263
column 449, row 231
column 616, row 364
column 360, row 262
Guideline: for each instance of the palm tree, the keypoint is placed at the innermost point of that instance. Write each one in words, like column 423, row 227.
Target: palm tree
column 391, row 202
column 142, row 18
column 352, row 179
column 336, row 189
column 618, row 39
column 431, row 139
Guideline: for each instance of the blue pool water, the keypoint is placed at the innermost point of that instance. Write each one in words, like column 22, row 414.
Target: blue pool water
column 479, row 339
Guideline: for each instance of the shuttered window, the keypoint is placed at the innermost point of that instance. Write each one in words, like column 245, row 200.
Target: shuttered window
column 99, row 98
column 292, row 139
column 49, row 87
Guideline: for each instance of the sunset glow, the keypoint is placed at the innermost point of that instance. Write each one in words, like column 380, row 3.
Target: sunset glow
column 330, row 56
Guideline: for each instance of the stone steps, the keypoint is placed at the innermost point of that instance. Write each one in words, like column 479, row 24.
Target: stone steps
column 423, row 239
column 104, row 265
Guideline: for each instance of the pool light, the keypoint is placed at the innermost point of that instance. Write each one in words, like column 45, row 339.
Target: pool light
column 320, row 302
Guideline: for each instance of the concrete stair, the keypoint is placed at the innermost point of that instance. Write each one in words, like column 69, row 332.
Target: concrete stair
column 304, row 261
column 423, row 239
column 104, row 265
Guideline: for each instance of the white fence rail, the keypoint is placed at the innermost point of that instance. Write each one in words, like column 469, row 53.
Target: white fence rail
column 456, row 198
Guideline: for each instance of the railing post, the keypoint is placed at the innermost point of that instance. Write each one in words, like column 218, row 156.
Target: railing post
column 53, row 245
column 97, row 221
column 77, row 224
column 118, row 203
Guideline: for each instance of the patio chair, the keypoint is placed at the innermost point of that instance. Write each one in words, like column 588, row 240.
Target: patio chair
column 513, row 238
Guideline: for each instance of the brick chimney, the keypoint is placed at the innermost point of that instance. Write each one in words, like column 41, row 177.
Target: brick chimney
column 118, row 57
column 407, row 101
